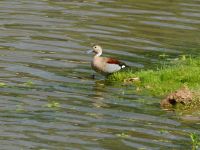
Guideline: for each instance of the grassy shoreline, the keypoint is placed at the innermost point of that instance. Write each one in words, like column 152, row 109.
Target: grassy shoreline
column 164, row 80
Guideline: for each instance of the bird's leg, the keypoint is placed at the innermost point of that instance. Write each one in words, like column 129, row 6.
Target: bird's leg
column 93, row 76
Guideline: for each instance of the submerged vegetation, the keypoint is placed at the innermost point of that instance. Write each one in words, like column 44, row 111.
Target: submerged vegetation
column 170, row 77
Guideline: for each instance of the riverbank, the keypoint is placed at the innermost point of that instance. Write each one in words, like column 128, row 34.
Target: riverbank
column 164, row 81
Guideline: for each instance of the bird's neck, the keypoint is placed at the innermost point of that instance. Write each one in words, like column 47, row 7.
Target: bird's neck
column 98, row 54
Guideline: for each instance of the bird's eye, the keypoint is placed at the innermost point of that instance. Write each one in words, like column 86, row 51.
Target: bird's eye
column 95, row 47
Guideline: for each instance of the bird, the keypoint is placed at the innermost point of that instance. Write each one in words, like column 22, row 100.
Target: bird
column 104, row 65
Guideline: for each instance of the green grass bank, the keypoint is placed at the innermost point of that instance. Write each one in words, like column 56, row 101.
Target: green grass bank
column 164, row 80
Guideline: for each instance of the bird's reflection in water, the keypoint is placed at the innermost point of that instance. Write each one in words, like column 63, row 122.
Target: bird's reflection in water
column 99, row 96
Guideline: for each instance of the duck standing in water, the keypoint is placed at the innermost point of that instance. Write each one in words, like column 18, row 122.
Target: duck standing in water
column 104, row 65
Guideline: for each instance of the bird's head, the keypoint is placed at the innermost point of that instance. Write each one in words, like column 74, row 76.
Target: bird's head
column 96, row 49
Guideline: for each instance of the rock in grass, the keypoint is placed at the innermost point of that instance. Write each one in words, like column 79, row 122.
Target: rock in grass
column 182, row 96
column 131, row 80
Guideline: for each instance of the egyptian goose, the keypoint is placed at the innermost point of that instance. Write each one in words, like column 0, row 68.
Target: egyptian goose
column 104, row 65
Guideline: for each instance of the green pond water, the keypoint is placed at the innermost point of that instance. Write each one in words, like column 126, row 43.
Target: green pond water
column 49, row 100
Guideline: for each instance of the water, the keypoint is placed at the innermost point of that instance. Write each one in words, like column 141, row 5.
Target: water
column 50, row 101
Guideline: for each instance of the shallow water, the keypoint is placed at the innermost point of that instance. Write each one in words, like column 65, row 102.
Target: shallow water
column 50, row 101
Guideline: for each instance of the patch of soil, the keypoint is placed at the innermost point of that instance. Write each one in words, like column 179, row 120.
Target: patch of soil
column 182, row 96
column 131, row 80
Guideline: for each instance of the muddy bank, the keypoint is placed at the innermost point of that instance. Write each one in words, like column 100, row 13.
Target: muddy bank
column 182, row 96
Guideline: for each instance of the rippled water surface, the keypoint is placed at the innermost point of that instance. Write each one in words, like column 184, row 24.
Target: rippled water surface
column 51, row 102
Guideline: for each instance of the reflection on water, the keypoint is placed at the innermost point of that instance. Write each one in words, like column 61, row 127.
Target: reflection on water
column 50, row 101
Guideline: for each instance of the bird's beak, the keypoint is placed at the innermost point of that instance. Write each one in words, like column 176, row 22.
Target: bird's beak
column 89, row 51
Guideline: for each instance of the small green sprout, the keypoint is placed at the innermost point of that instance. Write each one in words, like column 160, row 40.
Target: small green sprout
column 92, row 114
column 163, row 55
column 20, row 108
column 53, row 104
column 163, row 131
column 195, row 141
column 183, row 57
column 28, row 83
column 123, row 135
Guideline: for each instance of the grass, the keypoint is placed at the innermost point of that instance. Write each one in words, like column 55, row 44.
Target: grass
column 168, row 78
column 163, row 80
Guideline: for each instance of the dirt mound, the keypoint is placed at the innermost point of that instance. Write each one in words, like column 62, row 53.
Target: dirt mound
column 182, row 96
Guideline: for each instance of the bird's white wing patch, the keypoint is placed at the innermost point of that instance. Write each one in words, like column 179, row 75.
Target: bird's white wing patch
column 110, row 68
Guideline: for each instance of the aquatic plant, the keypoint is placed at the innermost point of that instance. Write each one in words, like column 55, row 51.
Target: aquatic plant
column 122, row 135
column 195, row 138
column 28, row 83
column 2, row 84
column 53, row 104
column 20, row 108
